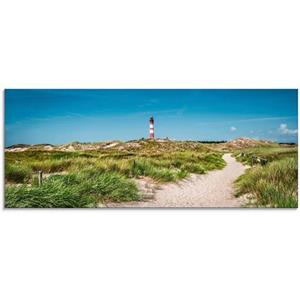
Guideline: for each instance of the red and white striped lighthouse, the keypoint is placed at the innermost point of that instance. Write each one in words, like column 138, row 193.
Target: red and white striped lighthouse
column 151, row 128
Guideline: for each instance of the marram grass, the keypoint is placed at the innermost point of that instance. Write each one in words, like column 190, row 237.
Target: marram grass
column 164, row 166
column 84, row 189
column 92, row 177
column 273, row 185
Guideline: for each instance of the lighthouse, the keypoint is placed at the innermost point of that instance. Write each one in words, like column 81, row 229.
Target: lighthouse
column 151, row 128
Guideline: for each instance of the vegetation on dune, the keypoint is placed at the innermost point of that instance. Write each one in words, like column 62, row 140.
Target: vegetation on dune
column 165, row 163
column 78, row 190
column 17, row 173
column 155, row 170
column 274, row 184
column 100, row 175
column 50, row 166
column 92, row 175
column 269, row 153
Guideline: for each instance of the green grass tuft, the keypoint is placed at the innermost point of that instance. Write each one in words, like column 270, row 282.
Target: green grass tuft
column 17, row 173
column 85, row 189
column 273, row 185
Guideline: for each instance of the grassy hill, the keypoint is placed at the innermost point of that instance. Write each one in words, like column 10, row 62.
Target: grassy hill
column 85, row 174
column 99, row 172
column 273, row 179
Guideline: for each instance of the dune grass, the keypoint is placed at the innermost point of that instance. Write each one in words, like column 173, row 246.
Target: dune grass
column 269, row 153
column 77, row 190
column 94, row 176
column 274, row 184
column 17, row 173
column 164, row 166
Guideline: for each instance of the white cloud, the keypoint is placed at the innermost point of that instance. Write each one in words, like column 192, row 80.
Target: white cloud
column 283, row 129
column 232, row 128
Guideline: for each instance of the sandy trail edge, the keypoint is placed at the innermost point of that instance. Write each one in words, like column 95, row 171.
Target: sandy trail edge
column 214, row 189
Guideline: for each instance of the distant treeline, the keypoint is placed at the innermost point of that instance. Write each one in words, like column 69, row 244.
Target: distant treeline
column 212, row 142
column 292, row 144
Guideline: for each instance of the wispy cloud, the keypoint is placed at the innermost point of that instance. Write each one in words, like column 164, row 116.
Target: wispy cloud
column 250, row 120
column 168, row 112
column 266, row 119
column 283, row 129
column 232, row 128
column 76, row 117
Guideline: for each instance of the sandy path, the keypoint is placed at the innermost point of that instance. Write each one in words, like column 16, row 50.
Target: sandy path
column 214, row 189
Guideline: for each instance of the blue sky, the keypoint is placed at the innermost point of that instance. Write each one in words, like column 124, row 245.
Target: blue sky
column 60, row 116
